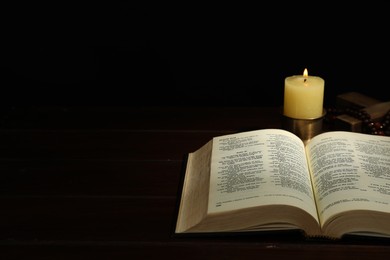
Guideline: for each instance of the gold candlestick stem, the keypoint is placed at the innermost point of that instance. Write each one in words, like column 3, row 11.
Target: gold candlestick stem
column 305, row 129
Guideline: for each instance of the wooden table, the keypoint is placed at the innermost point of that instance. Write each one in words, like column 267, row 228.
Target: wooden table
column 104, row 182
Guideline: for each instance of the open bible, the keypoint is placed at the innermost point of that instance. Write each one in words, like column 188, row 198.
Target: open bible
column 338, row 183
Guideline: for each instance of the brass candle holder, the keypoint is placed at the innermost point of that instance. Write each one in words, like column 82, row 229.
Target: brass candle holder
column 305, row 129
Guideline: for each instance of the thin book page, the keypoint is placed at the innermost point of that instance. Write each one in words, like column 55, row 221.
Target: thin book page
column 351, row 171
column 262, row 167
column 194, row 197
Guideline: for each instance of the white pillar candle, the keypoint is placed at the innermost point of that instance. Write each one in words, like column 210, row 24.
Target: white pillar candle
column 303, row 96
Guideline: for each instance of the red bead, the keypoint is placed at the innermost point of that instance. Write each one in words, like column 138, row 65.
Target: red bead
column 369, row 127
column 378, row 125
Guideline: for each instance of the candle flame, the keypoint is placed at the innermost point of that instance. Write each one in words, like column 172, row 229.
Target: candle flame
column 305, row 73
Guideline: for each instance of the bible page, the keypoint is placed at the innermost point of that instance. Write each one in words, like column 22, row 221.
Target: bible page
column 262, row 167
column 351, row 171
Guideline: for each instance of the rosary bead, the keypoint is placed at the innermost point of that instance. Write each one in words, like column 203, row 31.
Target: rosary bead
column 368, row 126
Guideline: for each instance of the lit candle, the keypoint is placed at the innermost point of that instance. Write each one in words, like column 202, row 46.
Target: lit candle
column 303, row 96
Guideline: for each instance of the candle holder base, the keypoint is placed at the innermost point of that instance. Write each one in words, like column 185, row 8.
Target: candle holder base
column 305, row 129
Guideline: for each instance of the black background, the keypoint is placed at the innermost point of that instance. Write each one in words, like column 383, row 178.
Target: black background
column 193, row 54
